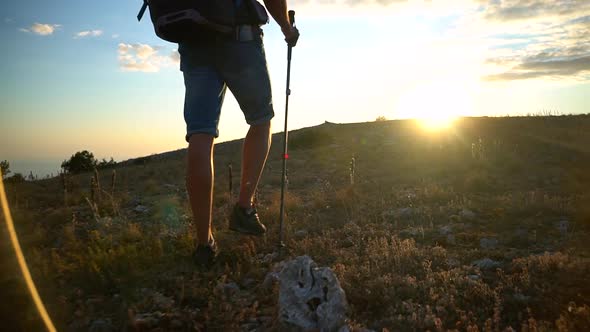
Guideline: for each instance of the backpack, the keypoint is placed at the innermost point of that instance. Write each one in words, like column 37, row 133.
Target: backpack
column 181, row 21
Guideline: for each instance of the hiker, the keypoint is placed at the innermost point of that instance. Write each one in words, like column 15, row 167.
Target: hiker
column 237, row 62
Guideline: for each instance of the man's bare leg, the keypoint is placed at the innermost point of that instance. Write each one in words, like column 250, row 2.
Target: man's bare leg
column 254, row 154
column 199, row 184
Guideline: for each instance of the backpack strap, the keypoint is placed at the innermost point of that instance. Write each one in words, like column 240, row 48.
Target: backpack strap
column 142, row 10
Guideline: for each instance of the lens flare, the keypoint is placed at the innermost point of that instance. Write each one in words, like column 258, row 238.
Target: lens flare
column 21, row 260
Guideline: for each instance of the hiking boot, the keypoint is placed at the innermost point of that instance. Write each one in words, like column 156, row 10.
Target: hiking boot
column 205, row 255
column 246, row 222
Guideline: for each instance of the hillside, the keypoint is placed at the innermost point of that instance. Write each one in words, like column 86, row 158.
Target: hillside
column 481, row 227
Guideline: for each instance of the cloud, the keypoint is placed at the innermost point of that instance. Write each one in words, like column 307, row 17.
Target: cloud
column 552, row 50
column 88, row 33
column 530, row 39
column 144, row 58
column 546, row 68
column 41, row 29
column 510, row 10
column 175, row 57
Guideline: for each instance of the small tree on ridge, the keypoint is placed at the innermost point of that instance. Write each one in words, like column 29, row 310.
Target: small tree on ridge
column 81, row 161
column 5, row 168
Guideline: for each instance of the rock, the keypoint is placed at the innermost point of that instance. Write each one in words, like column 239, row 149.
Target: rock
column 403, row 213
column 486, row 264
column 101, row 325
column 300, row 234
column 467, row 214
column 411, row 232
column 445, row 230
column 488, row 243
column 521, row 298
column 344, row 328
column 310, row 297
column 474, row 277
column 141, row 209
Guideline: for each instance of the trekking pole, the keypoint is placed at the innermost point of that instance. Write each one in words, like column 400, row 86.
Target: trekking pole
column 285, row 137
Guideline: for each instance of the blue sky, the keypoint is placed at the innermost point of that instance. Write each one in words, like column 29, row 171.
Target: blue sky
column 86, row 75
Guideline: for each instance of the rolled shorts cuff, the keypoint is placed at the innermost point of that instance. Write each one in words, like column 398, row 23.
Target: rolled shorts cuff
column 210, row 131
column 262, row 119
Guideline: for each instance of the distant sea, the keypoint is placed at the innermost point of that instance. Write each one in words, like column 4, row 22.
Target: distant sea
column 39, row 168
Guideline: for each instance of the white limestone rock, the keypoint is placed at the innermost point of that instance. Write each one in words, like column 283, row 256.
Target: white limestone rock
column 310, row 297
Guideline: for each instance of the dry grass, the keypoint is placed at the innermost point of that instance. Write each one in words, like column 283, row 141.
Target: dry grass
column 402, row 240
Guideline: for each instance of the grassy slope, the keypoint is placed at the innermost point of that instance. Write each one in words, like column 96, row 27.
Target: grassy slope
column 402, row 240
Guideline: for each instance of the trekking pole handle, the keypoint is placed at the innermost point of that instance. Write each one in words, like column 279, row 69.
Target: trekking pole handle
column 292, row 17
column 292, row 23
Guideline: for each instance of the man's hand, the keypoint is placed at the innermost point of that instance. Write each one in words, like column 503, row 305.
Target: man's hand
column 291, row 35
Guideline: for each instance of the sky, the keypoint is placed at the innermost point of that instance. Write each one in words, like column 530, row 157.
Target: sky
column 85, row 75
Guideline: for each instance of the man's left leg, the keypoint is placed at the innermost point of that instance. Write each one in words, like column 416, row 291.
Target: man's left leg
column 245, row 73
column 244, row 218
column 254, row 153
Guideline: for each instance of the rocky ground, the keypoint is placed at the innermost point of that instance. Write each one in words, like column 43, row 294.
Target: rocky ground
column 482, row 227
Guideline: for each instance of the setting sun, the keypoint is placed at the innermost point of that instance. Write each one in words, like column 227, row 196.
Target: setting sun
column 435, row 105
column 437, row 123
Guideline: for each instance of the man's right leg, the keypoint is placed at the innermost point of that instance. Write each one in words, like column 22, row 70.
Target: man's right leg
column 202, row 106
column 199, row 183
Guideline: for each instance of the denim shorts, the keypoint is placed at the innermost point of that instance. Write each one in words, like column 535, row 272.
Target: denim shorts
column 211, row 67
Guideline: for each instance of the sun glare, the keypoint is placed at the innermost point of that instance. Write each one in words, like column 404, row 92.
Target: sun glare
column 435, row 105
column 437, row 123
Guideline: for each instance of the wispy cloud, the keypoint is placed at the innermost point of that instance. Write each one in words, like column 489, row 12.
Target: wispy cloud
column 547, row 68
column 41, row 29
column 510, row 10
column 88, row 33
column 144, row 58
column 554, row 48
